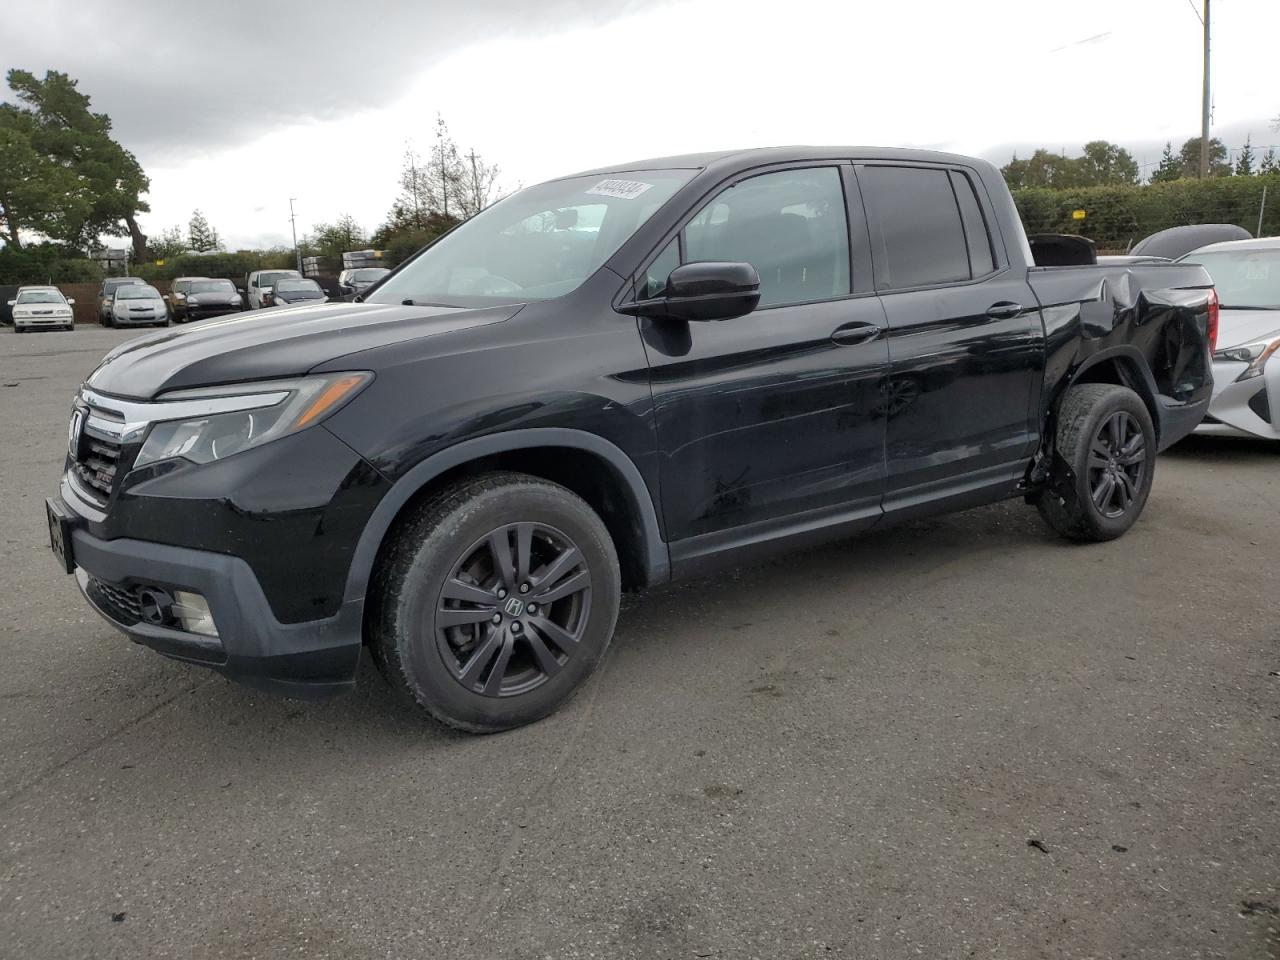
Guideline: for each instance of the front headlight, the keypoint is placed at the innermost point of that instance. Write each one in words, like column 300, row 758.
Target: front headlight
column 1255, row 354
column 238, row 417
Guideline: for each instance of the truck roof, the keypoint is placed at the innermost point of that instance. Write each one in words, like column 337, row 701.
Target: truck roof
column 764, row 155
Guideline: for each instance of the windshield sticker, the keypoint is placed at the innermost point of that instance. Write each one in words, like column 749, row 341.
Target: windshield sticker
column 622, row 189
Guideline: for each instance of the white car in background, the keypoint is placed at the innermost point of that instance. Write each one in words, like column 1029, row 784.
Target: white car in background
column 37, row 307
column 259, row 286
column 1246, row 378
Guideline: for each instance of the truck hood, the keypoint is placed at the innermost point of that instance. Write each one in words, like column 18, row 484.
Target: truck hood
column 1236, row 327
column 268, row 344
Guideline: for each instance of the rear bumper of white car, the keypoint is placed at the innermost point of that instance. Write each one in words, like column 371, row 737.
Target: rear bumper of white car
column 1243, row 408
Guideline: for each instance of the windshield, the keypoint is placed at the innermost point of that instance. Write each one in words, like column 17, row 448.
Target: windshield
column 269, row 279
column 369, row 274
column 537, row 244
column 212, row 286
column 137, row 291
column 109, row 285
column 1243, row 278
column 40, row 296
column 305, row 287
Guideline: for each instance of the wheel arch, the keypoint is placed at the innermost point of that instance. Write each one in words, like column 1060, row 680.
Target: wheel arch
column 551, row 453
column 1123, row 365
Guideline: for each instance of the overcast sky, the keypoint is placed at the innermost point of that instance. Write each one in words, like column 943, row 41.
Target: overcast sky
column 237, row 105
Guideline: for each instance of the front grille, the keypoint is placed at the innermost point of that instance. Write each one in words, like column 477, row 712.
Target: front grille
column 117, row 602
column 96, row 463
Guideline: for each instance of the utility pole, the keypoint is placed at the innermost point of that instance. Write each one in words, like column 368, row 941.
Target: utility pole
column 1204, row 100
column 294, row 227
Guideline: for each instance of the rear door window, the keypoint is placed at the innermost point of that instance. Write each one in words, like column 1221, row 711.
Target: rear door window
column 916, row 233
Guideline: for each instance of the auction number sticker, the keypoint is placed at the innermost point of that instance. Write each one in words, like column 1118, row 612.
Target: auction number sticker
column 622, row 189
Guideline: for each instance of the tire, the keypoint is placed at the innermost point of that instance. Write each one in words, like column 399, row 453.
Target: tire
column 1103, row 466
column 438, row 645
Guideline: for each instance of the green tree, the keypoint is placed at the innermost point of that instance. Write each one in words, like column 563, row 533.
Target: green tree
column 1170, row 167
column 108, row 181
column 330, row 241
column 201, row 237
column 1270, row 162
column 1105, row 163
column 1189, row 155
column 169, row 244
column 1244, row 162
column 34, row 191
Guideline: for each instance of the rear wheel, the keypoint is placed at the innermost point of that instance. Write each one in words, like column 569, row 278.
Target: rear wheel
column 495, row 602
column 1104, row 463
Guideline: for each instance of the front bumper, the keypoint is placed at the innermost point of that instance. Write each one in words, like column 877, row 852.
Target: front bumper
column 1244, row 408
column 31, row 323
column 314, row 658
column 192, row 312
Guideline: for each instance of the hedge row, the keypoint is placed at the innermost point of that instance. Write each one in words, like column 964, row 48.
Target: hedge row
column 1118, row 216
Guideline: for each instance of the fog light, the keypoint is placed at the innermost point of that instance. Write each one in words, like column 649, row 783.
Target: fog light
column 192, row 611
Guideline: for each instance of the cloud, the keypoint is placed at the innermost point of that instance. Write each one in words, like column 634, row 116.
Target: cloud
column 181, row 78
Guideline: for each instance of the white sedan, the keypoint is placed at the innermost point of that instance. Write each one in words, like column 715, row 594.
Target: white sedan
column 1246, row 380
column 36, row 307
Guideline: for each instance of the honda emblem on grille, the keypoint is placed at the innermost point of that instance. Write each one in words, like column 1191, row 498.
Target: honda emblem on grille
column 73, row 430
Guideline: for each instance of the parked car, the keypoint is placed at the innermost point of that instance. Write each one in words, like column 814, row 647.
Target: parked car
column 353, row 281
column 258, row 286
column 1176, row 242
column 206, row 298
column 106, row 293
column 137, row 304
column 1246, row 381
column 289, row 291
column 41, row 307
column 609, row 381
column 177, row 297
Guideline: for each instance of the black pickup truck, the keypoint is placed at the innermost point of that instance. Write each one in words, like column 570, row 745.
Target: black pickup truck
column 605, row 382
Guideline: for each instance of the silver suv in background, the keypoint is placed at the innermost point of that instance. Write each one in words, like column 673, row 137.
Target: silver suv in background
column 353, row 281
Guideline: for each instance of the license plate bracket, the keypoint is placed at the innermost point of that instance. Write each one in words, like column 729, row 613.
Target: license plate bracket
column 60, row 536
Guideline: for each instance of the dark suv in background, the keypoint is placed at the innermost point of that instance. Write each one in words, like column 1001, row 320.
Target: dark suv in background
column 605, row 382
column 203, row 297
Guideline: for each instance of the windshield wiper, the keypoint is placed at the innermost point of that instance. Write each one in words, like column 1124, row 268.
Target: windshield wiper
column 1246, row 306
column 410, row 302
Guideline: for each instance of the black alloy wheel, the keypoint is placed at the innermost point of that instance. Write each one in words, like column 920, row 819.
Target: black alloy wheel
column 494, row 600
column 513, row 610
column 1117, row 461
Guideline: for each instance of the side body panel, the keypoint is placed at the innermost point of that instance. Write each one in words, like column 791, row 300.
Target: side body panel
column 1150, row 317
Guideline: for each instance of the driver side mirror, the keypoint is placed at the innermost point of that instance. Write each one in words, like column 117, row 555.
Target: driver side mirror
column 71, row 302
column 703, row 291
column 12, row 302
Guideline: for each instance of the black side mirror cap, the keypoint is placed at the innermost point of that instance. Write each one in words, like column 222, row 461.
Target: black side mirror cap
column 712, row 290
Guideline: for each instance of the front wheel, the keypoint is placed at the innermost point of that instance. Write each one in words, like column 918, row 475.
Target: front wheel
column 1104, row 464
column 495, row 602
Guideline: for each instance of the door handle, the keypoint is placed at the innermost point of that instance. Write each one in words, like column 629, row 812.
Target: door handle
column 852, row 333
column 1004, row 310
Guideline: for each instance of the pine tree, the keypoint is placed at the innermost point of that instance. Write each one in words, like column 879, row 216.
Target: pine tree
column 1170, row 167
column 201, row 237
column 1270, row 162
column 1244, row 163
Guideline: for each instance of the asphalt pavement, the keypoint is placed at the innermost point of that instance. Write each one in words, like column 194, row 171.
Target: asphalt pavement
column 957, row 738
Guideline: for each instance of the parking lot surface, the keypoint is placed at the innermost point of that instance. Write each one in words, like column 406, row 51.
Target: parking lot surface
column 961, row 737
